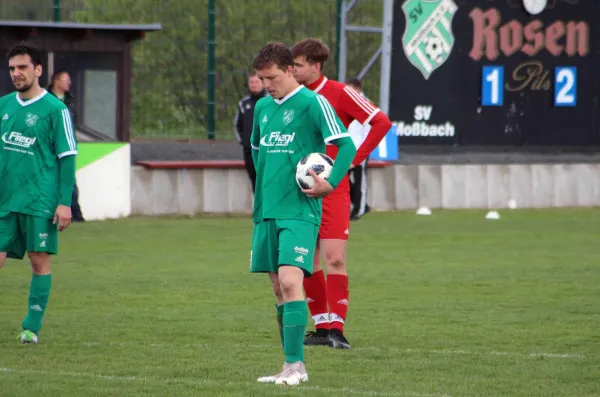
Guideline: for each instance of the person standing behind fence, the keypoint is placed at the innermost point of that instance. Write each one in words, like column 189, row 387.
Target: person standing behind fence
column 244, row 120
column 358, row 174
column 60, row 87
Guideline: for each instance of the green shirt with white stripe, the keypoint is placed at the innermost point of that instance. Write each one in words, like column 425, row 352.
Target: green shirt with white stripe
column 35, row 135
column 285, row 130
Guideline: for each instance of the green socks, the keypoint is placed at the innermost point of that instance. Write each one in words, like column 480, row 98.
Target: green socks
column 280, row 321
column 39, row 292
column 295, row 318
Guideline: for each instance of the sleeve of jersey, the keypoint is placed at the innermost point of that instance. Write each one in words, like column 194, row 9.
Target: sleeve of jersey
column 255, row 136
column 358, row 107
column 64, row 134
column 333, row 131
column 380, row 125
column 67, row 179
column 238, row 122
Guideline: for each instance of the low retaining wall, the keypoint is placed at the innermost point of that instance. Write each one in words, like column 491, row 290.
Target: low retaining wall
column 172, row 187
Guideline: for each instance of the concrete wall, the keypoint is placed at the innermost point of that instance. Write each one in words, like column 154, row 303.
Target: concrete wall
column 105, row 185
column 189, row 191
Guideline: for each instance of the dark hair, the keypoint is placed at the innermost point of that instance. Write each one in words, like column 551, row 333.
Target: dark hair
column 273, row 53
column 25, row 49
column 314, row 50
column 56, row 75
column 355, row 82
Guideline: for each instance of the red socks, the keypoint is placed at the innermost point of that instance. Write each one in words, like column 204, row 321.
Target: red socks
column 332, row 293
column 315, row 288
column 337, row 297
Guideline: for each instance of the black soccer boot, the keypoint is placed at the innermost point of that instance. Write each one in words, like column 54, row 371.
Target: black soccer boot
column 320, row 337
column 338, row 340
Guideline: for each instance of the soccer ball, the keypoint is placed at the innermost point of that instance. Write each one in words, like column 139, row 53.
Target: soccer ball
column 320, row 163
column 434, row 49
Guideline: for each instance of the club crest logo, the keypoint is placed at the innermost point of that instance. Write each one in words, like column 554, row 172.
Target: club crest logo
column 288, row 116
column 428, row 38
column 31, row 119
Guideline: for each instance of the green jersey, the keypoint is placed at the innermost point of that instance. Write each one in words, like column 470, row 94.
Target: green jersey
column 35, row 134
column 284, row 131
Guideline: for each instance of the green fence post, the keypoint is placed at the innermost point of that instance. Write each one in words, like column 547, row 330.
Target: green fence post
column 56, row 9
column 211, row 69
column 338, row 36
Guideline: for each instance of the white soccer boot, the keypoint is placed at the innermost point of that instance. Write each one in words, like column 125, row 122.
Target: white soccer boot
column 293, row 374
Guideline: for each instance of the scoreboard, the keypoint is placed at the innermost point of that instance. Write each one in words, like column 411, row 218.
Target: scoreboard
column 475, row 72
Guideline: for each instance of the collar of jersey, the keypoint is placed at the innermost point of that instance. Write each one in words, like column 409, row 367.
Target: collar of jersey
column 317, row 84
column 288, row 96
column 32, row 100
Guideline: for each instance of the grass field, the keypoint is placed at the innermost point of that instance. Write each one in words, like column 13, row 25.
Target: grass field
column 448, row 305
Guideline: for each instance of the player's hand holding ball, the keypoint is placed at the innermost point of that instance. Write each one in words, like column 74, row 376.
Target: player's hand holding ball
column 320, row 188
column 312, row 173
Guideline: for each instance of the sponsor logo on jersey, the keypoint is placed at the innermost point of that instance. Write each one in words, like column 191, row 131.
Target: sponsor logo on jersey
column 31, row 119
column 276, row 138
column 18, row 139
column 288, row 116
column 5, row 117
column 301, row 250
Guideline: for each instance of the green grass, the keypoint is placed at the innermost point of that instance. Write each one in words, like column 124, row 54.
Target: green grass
column 451, row 304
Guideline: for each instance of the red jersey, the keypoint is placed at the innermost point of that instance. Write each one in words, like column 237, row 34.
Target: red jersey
column 349, row 106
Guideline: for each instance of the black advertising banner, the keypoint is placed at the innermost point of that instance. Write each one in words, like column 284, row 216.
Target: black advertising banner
column 496, row 72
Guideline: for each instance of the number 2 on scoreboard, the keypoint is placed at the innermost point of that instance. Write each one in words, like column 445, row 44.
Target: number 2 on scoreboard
column 565, row 86
column 492, row 83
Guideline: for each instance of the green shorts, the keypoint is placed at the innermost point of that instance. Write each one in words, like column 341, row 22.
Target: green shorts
column 277, row 242
column 20, row 233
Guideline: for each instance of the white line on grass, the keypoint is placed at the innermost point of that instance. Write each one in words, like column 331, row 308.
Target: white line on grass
column 209, row 382
column 443, row 352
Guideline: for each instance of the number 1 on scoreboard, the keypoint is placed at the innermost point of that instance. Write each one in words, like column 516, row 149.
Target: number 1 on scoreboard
column 492, row 83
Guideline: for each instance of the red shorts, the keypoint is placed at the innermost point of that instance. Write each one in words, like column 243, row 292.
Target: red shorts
column 335, row 222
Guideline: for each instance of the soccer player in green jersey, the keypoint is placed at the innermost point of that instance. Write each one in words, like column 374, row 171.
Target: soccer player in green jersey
column 289, row 124
column 37, row 173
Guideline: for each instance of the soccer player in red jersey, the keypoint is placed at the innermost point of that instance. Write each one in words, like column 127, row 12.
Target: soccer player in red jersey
column 327, row 298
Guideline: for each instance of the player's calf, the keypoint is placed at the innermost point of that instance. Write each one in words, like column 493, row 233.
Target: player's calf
column 39, row 294
column 334, row 252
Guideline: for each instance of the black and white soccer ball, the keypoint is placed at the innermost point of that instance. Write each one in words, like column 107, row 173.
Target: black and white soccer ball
column 320, row 163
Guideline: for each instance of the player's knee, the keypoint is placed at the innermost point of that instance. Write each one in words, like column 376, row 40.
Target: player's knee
column 40, row 262
column 290, row 284
column 336, row 262
column 2, row 259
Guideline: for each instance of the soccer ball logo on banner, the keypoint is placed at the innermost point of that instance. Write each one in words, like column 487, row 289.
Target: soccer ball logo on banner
column 428, row 38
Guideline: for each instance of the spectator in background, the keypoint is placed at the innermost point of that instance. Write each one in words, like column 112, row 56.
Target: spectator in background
column 60, row 87
column 358, row 174
column 244, row 120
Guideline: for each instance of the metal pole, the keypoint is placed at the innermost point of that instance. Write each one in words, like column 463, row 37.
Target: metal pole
column 369, row 64
column 50, row 67
column 338, row 36
column 343, row 54
column 56, row 9
column 386, row 56
column 211, row 69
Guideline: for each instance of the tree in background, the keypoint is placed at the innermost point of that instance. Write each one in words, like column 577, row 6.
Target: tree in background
column 170, row 67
